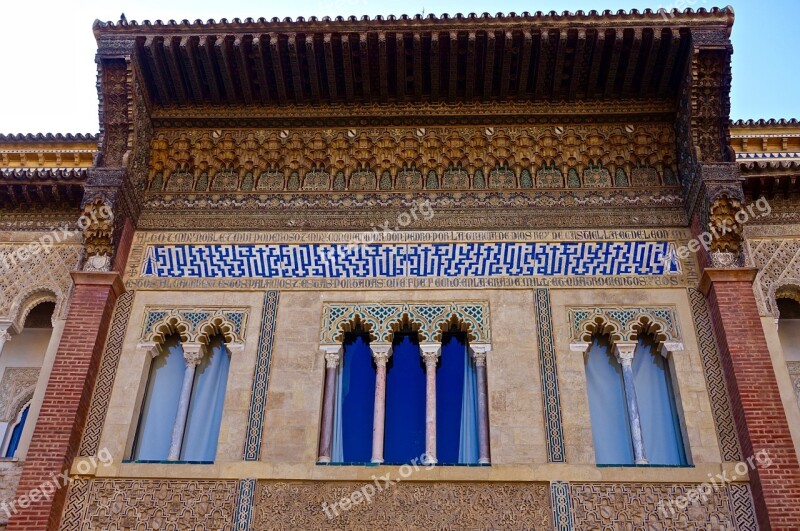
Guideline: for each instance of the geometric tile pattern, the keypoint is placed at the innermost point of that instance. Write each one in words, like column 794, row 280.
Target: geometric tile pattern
column 715, row 379
column 625, row 322
column 649, row 506
column 562, row 513
column 150, row 504
column 556, row 452
column 744, row 513
column 98, row 407
column 244, row 504
column 431, row 317
column 403, row 505
column 419, row 260
column 194, row 324
column 258, row 396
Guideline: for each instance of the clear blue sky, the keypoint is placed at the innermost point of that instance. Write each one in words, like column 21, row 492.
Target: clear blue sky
column 48, row 70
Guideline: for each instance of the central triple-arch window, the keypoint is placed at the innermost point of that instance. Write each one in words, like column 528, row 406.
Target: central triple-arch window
column 404, row 402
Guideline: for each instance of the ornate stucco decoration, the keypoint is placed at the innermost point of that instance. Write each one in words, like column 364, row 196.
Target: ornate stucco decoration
column 382, row 320
column 98, row 227
column 625, row 325
column 726, row 246
column 194, row 325
column 16, row 389
column 778, row 261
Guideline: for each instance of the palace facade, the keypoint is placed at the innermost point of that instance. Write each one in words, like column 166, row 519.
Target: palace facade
column 516, row 272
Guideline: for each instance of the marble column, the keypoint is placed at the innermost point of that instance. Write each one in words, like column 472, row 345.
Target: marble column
column 624, row 352
column 479, row 355
column 192, row 354
column 5, row 334
column 430, row 355
column 333, row 354
column 381, row 355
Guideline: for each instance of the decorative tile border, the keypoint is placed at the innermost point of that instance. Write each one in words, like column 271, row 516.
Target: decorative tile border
column 413, row 260
column 258, row 397
column 430, row 316
column 715, row 379
column 624, row 322
column 244, row 504
column 549, row 373
column 562, row 509
column 98, row 407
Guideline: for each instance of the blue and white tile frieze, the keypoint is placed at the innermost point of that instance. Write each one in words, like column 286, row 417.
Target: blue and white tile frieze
column 417, row 260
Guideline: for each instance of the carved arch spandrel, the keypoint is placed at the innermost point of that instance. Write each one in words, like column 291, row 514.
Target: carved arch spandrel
column 625, row 324
column 195, row 325
column 455, row 324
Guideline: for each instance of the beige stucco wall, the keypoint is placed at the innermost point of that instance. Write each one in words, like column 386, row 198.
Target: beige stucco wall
column 294, row 400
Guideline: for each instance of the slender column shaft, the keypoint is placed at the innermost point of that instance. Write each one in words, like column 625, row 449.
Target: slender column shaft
column 4, row 336
column 192, row 353
column 479, row 354
column 332, row 357
column 381, row 354
column 430, row 354
column 624, row 353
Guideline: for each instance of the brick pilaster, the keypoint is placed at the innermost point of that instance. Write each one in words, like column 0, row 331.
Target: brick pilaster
column 757, row 408
column 58, row 430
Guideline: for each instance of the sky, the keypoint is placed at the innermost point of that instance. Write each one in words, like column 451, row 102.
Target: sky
column 49, row 75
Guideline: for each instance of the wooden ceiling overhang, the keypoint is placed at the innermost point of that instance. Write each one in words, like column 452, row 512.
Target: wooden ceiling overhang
column 44, row 171
column 768, row 156
column 424, row 62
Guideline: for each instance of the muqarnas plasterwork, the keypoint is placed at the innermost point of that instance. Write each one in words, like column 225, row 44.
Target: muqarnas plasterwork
column 407, row 505
column 380, row 320
column 660, row 506
column 101, row 504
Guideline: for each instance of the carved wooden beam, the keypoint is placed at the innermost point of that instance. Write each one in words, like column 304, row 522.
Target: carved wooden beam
column 260, row 58
column 240, row 46
column 578, row 64
column 363, row 61
column 188, row 48
column 206, row 53
column 541, row 64
column 611, row 78
column 525, row 63
column 277, row 66
column 417, row 54
column 222, row 50
column 400, row 66
column 435, row 66
column 597, row 58
column 666, row 74
column 558, row 69
column 154, row 64
column 347, row 64
column 452, row 81
column 650, row 63
column 294, row 63
column 313, row 68
column 488, row 68
column 383, row 66
column 633, row 61
column 172, row 55
column 505, row 72
column 330, row 67
column 470, row 81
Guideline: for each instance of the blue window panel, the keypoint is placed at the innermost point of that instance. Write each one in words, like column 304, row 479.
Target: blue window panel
column 405, row 403
column 456, row 405
column 16, row 433
column 663, row 442
column 358, row 401
column 607, row 407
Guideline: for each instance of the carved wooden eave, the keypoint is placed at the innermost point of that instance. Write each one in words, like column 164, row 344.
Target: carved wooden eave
column 768, row 156
column 260, row 70
column 44, row 171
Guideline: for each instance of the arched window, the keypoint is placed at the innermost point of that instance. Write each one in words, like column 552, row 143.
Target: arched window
column 355, row 402
column 630, row 390
column 661, row 429
column 16, row 431
column 789, row 328
column 607, row 407
column 405, row 401
column 456, row 403
column 177, row 428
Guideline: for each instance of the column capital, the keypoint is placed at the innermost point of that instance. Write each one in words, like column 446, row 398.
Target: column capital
column 430, row 352
column 234, row 348
column 111, row 279
column 151, row 347
column 479, row 352
column 580, row 346
column 381, row 353
column 193, row 353
column 670, row 346
column 333, row 354
column 727, row 274
column 624, row 351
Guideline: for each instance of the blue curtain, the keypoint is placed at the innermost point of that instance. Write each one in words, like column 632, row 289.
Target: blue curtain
column 663, row 442
column 456, row 405
column 160, row 403
column 358, row 401
column 17, row 433
column 205, row 408
column 405, row 402
column 607, row 407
